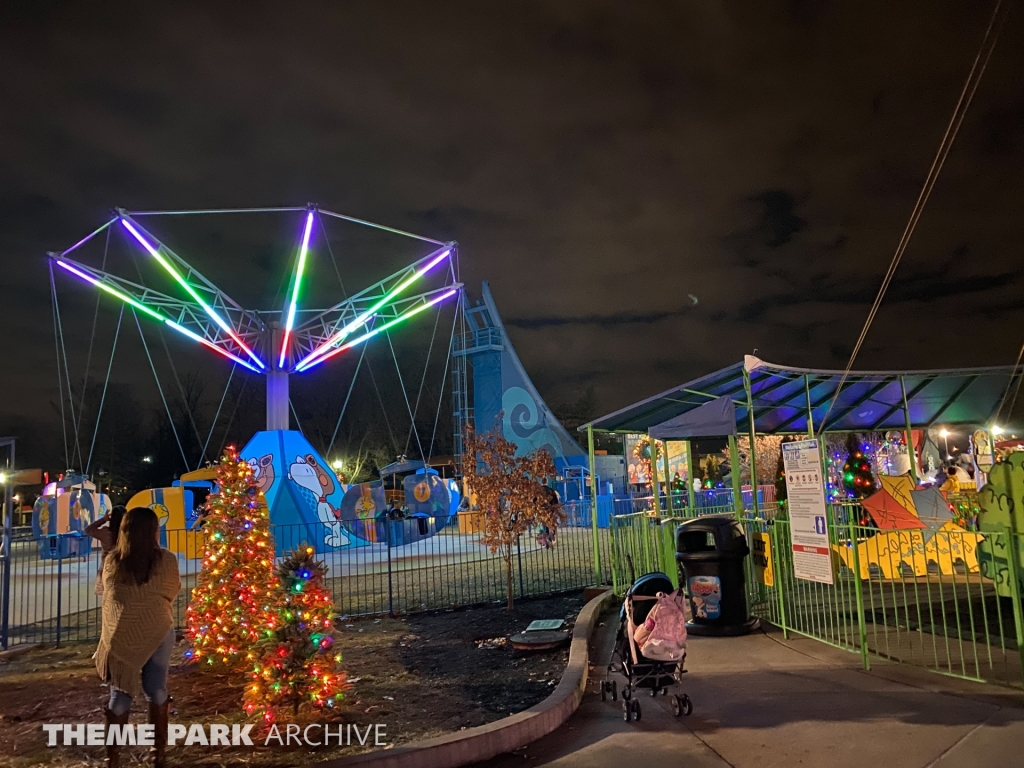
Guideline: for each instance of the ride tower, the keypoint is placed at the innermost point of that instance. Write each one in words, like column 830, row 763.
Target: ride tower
column 307, row 502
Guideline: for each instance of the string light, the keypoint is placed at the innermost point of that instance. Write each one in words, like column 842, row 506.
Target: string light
column 296, row 667
column 227, row 611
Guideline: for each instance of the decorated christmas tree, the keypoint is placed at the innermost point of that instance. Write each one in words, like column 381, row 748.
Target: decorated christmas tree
column 858, row 479
column 296, row 668
column 234, row 602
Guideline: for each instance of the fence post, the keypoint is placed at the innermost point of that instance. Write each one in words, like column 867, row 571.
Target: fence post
column 1013, row 565
column 737, row 484
column 60, row 579
column 6, row 554
column 858, row 593
column 388, row 522
column 616, row 552
column 780, row 583
column 690, row 495
column 593, row 507
column 519, row 563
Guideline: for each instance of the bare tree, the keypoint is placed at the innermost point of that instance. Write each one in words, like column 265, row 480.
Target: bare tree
column 510, row 492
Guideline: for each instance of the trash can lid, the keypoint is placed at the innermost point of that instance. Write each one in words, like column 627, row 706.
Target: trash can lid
column 711, row 533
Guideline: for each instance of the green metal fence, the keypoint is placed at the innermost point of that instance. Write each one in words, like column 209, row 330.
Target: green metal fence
column 941, row 598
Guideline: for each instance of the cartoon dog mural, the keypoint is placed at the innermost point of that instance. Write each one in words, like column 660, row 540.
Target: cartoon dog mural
column 263, row 471
column 307, row 473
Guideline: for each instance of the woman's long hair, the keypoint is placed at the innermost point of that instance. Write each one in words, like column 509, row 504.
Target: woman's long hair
column 137, row 546
column 116, row 516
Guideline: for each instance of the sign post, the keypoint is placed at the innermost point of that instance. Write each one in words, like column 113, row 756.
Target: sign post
column 805, row 489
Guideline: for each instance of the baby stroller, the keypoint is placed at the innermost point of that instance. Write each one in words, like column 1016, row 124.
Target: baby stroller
column 639, row 671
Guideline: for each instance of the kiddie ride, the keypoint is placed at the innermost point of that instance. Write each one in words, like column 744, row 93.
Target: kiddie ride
column 61, row 514
column 307, row 503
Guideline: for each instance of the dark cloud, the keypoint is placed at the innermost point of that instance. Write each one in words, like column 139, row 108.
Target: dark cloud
column 596, row 161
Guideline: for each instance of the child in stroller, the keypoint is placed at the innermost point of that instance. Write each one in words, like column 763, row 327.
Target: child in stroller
column 639, row 671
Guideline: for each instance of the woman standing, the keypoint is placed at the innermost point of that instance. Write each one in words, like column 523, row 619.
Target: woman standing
column 105, row 531
column 140, row 582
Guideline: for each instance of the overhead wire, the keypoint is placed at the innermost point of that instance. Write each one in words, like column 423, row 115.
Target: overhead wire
column 977, row 71
column 1019, row 374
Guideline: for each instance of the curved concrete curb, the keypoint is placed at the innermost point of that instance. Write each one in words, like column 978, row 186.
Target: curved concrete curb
column 507, row 734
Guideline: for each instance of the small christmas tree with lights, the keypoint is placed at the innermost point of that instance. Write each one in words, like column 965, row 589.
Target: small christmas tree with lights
column 296, row 668
column 858, row 479
column 234, row 602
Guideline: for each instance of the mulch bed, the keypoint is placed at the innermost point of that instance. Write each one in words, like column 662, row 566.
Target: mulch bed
column 422, row 675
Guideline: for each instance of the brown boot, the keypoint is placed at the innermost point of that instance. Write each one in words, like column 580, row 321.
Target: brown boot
column 158, row 717
column 113, row 750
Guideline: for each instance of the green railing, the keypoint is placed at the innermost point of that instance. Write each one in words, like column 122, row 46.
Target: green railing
column 941, row 598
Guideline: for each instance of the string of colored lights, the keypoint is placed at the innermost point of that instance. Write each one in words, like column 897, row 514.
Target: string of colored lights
column 383, row 327
column 151, row 312
column 299, row 267
column 225, row 326
column 310, row 359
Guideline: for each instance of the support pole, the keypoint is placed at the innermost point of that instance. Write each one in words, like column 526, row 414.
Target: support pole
column 810, row 410
column 277, row 388
column 737, row 484
column 690, row 495
column 655, row 491
column 668, row 481
column 5, row 549
column 911, row 453
column 753, row 441
column 593, row 506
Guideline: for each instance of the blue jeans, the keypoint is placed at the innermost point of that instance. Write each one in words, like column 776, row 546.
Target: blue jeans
column 154, row 679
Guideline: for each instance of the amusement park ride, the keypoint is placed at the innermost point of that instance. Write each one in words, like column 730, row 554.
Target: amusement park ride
column 302, row 491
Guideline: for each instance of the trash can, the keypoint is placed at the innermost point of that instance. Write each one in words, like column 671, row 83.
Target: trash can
column 710, row 552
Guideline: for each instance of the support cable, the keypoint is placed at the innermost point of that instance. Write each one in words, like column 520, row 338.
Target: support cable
column 405, row 396
column 60, row 376
column 387, row 421
column 444, row 376
column 963, row 103
column 181, row 393
column 234, row 411
column 160, row 389
column 423, row 380
column 344, row 406
column 92, row 339
column 216, row 416
column 67, row 373
column 103, row 396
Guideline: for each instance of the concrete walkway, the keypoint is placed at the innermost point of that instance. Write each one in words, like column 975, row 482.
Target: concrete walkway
column 761, row 702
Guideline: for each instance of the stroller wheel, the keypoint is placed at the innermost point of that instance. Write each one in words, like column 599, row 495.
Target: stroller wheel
column 677, row 707
column 664, row 691
column 627, row 693
column 604, row 691
column 615, row 690
column 681, row 705
column 636, row 709
column 627, row 711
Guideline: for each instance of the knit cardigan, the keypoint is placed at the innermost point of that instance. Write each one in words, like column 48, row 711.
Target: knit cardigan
column 136, row 619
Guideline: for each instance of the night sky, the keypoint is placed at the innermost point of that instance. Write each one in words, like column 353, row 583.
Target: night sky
column 598, row 162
